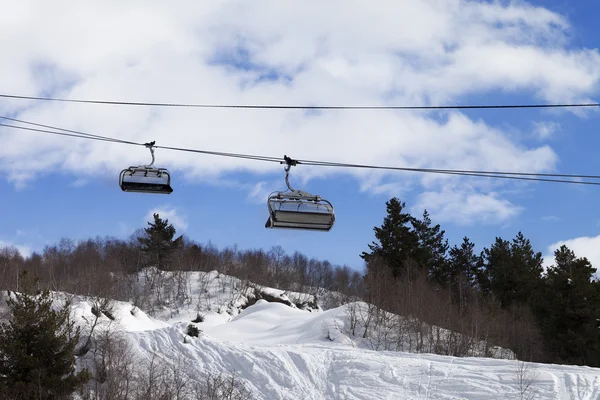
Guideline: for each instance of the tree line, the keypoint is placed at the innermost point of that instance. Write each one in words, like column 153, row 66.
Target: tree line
column 107, row 266
column 502, row 295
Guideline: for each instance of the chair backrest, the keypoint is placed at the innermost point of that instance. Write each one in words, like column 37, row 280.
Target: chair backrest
column 145, row 180
column 295, row 214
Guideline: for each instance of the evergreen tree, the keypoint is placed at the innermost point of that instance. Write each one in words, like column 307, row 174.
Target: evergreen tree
column 494, row 279
column 431, row 252
column 37, row 346
column 464, row 271
column 158, row 242
column 569, row 310
column 513, row 276
column 513, row 271
column 397, row 239
column 528, row 269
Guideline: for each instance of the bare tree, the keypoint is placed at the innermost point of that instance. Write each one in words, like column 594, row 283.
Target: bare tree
column 203, row 300
column 223, row 387
column 101, row 306
column 176, row 379
column 11, row 262
column 152, row 380
column 526, row 377
column 114, row 364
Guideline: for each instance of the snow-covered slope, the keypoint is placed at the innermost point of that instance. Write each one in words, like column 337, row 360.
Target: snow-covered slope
column 283, row 352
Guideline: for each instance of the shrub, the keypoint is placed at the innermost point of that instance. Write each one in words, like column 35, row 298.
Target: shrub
column 199, row 318
column 193, row 331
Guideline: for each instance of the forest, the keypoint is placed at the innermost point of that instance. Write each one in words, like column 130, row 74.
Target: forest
column 501, row 295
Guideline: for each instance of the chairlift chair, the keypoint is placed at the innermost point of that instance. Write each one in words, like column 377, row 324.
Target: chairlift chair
column 146, row 178
column 296, row 209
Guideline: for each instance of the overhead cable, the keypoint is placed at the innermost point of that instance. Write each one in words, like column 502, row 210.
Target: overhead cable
column 300, row 107
column 541, row 177
column 73, row 132
column 345, row 165
column 64, row 134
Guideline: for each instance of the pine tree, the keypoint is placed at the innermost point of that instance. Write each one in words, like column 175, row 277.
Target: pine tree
column 397, row 239
column 464, row 271
column 431, row 252
column 513, row 276
column 158, row 242
column 496, row 279
column 37, row 347
column 513, row 271
column 528, row 267
column 569, row 310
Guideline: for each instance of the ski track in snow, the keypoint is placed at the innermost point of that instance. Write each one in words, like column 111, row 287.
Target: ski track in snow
column 284, row 353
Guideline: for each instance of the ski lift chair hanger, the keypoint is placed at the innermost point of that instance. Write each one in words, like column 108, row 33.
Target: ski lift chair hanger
column 146, row 178
column 296, row 209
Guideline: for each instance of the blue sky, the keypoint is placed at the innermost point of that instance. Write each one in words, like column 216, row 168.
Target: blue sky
column 411, row 53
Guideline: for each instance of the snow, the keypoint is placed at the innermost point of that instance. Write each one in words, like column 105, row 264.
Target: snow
column 128, row 317
column 290, row 358
column 269, row 323
column 283, row 352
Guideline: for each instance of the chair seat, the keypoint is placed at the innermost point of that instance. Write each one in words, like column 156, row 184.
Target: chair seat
column 145, row 180
column 142, row 187
column 307, row 220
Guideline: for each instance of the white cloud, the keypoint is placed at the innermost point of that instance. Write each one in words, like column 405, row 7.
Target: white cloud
column 585, row 246
column 259, row 193
column 24, row 250
column 545, row 129
column 171, row 214
column 408, row 52
column 466, row 208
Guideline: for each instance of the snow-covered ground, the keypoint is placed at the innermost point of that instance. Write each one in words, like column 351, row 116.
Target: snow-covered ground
column 283, row 352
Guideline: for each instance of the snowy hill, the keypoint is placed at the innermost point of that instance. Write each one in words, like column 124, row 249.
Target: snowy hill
column 290, row 350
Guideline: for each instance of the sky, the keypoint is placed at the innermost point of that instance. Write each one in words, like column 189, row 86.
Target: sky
column 420, row 52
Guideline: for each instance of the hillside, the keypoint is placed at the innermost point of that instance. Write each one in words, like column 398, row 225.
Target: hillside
column 281, row 351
